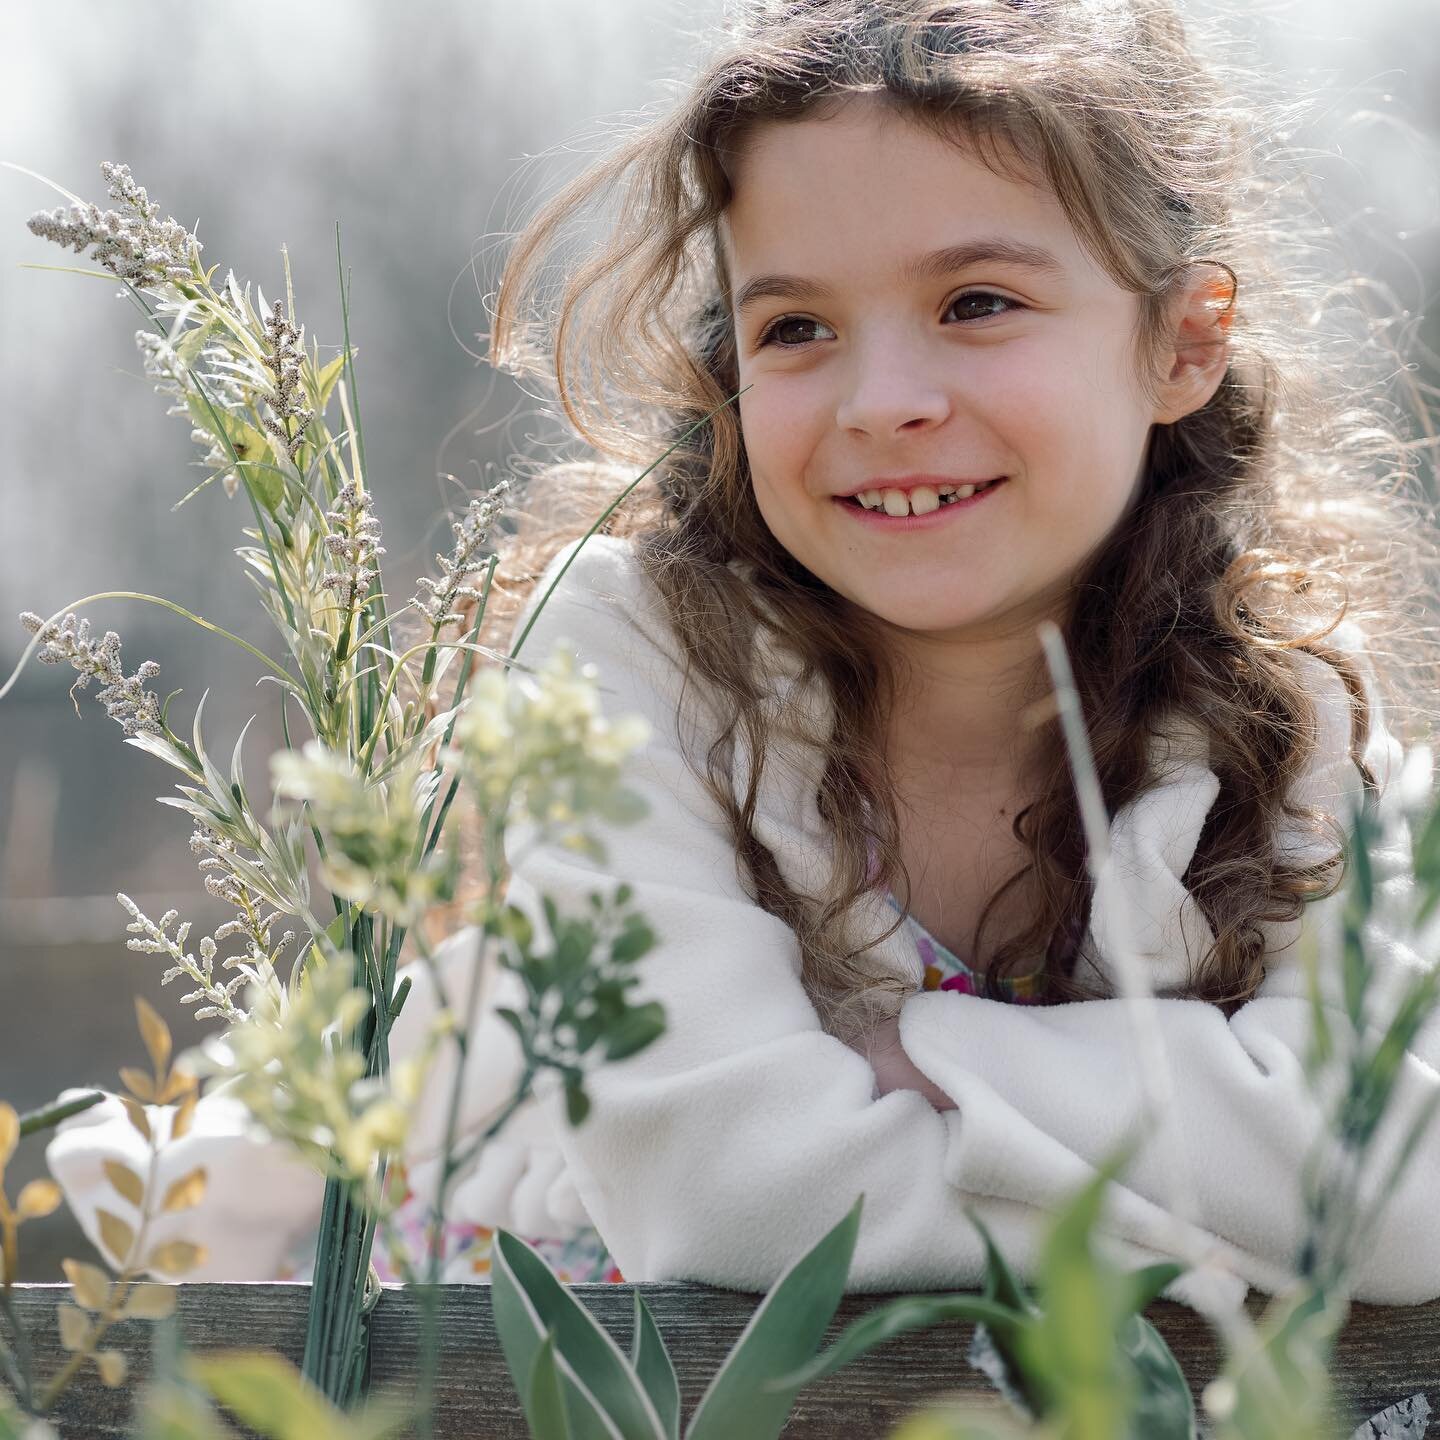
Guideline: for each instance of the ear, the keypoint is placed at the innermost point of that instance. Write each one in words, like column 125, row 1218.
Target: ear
column 1198, row 352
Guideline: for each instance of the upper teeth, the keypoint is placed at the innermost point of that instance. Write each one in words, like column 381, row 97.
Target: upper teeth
column 919, row 501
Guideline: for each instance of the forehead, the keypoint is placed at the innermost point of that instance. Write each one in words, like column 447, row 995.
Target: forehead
column 866, row 181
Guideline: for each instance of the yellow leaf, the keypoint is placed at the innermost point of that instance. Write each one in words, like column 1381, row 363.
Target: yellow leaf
column 187, row 1192
column 137, row 1115
column 118, row 1237
column 74, row 1326
column 175, row 1257
column 125, row 1181
column 149, row 1302
column 112, row 1366
column 39, row 1197
column 138, row 1083
column 9, row 1133
column 179, row 1083
column 90, row 1284
column 154, row 1032
column 184, row 1112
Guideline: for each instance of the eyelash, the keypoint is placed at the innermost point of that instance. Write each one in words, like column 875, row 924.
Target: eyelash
column 766, row 337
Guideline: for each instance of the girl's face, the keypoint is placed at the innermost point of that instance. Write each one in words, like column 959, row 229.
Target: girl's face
column 873, row 360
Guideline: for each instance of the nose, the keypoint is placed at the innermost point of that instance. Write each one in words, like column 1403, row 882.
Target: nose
column 891, row 389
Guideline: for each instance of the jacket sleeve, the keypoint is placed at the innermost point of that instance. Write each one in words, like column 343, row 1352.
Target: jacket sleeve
column 1242, row 1106
column 723, row 1151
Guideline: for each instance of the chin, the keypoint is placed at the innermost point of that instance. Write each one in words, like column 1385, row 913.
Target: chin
column 923, row 616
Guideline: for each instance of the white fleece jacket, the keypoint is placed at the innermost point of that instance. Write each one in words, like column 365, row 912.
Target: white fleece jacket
column 727, row 1148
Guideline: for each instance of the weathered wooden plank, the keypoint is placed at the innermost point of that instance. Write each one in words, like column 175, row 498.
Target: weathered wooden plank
column 1385, row 1354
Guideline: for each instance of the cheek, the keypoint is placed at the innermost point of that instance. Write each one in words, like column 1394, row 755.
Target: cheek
column 778, row 425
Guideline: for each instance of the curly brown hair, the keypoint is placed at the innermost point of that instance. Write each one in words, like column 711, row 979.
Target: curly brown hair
column 1288, row 501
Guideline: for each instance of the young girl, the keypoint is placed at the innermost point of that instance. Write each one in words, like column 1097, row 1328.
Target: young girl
column 1018, row 335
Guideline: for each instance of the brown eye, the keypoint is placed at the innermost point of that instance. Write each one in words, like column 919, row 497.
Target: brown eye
column 970, row 295
column 782, row 323
column 771, row 335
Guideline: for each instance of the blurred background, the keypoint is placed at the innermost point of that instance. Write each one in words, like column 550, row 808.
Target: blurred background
column 428, row 139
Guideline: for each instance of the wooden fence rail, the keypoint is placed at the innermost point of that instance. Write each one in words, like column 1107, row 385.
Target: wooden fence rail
column 1385, row 1354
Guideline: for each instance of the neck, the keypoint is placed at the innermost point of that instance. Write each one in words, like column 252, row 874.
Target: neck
column 960, row 711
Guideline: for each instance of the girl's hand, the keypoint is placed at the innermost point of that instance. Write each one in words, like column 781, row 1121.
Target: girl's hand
column 894, row 1071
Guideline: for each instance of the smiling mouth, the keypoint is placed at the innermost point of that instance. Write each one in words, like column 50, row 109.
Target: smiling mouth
column 919, row 501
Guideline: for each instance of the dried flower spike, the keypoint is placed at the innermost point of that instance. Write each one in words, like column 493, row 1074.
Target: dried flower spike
column 471, row 534
column 284, row 363
column 124, row 697
column 136, row 246
column 354, row 541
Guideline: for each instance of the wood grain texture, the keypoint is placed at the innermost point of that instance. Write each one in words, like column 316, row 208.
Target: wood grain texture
column 1385, row 1354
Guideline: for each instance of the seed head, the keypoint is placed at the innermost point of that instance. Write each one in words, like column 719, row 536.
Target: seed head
column 353, row 542
column 131, row 243
column 124, row 697
column 471, row 533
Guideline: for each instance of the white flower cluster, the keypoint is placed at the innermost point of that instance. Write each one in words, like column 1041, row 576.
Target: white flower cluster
column 124, row 697
column 353, row 540
column 471, row 533
column 289, row 1065
column 135, row 246
column 539, row 747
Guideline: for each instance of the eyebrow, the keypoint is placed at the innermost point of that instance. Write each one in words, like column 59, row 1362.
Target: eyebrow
column 932, row 266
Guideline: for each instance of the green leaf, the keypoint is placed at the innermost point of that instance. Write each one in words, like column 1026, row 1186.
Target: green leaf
column 637, row 1029
column 334, row 932
column 1071, row 1354
column 268, row 1394
column 11, row 1421
column 168, row 1412
column 545, row 1406
column 1281, row 1379
column 326, row 380
column 635, row 940
column 577, row 1104
column 651, row 1361
column 1001, row 1284
column 237, row 769
column 250, row 446
column 782, row 1335
column 528, row 1303
column 1146, row 1283
column 899, row 1317
column 189, row 346
column 1000, row 1353
column 515, row 925
column 1163, row 1409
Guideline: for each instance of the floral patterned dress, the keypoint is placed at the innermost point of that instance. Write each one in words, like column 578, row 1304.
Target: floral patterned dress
column 583, row 1258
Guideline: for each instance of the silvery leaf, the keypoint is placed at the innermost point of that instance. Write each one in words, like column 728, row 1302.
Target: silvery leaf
column 1406, row 1420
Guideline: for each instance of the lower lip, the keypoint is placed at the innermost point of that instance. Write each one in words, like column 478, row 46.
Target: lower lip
column 882, row 521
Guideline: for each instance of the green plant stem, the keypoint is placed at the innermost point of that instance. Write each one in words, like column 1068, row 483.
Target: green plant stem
column 337, row 1334
column 52, row 1114
column 24, row 1361
column 449, row 1167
